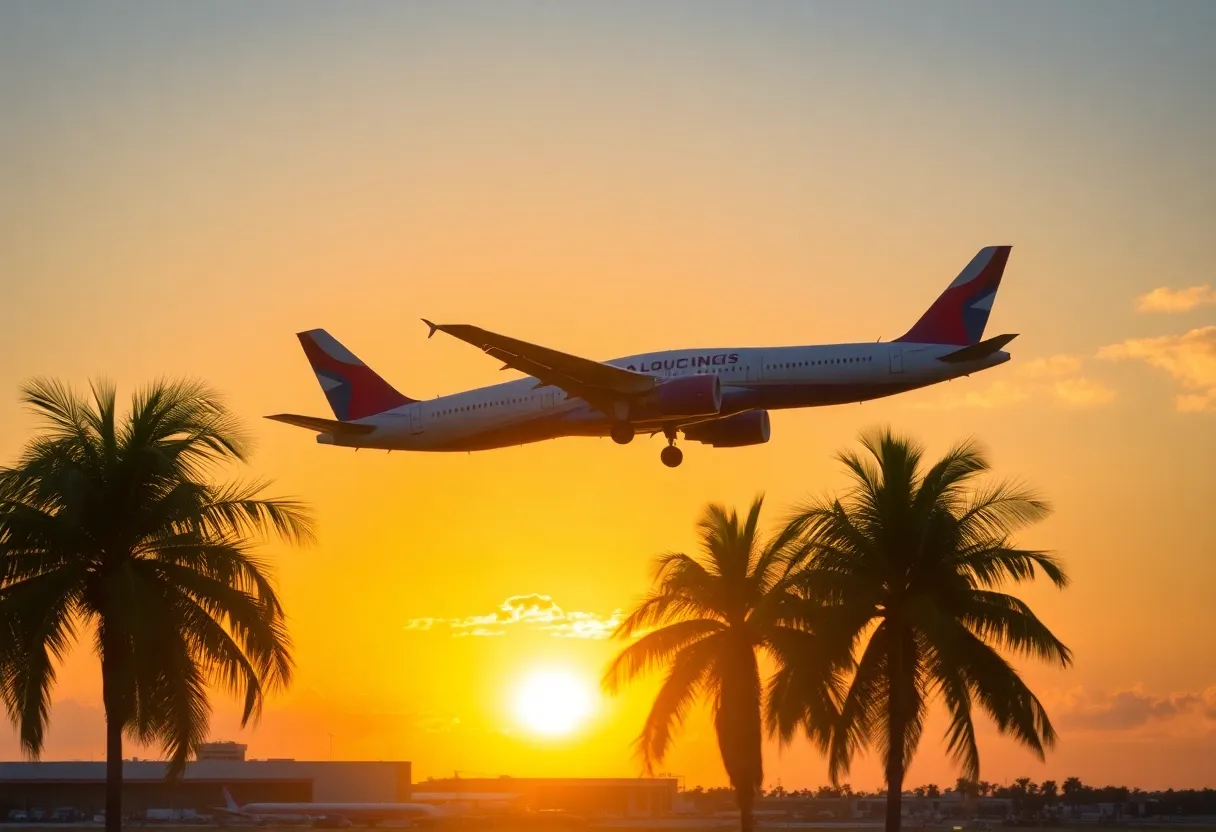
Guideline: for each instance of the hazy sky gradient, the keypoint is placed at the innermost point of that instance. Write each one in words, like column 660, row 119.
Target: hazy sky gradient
column 183, row 187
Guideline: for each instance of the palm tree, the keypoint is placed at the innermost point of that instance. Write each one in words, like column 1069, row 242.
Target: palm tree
column 970, row 790
column 707, row 618
column 1072, row 790
column 1023, row 789
column 111, row 526
column 909, row 565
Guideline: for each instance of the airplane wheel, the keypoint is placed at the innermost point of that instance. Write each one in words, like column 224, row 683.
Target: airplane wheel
column 671, row 456
column 622, row 433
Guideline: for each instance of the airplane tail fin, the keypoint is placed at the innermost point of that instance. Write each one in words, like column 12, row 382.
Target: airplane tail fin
column 960, row 313
column 353, row 388
column 229, row 803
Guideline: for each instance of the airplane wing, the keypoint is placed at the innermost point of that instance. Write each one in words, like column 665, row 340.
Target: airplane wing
column 580, row 377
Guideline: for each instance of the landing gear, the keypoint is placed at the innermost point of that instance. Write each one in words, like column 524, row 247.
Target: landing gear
column 671, row 456
column 622, row 433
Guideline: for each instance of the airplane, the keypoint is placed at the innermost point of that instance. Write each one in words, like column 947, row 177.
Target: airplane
column 720, row 397
column 305, row 812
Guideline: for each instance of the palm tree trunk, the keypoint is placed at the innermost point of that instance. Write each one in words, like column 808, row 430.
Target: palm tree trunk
column 113, row 775
column 746, row 800
column 895, row 736
column 114, row 725
column 895, row 786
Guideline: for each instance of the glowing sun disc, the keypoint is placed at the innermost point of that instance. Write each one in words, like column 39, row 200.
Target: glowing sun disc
column 553, row 702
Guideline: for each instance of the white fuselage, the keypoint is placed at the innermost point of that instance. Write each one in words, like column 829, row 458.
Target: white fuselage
column 772, row 378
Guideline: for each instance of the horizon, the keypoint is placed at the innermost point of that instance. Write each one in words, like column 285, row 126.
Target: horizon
column 188, row 186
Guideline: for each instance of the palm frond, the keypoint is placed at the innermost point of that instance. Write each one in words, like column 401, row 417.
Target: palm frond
column 993, row 563
column 37, row 628
column 1001, row 691
column 255, row 621
column 684, row 682
column 656, row 648
column 999, row 510
column 1008, row 622
column 807, row 686
column 239, row 509
column 660, row 608
column 58, row 406
column 960, row 735
column 863, row 706
column 942, row 485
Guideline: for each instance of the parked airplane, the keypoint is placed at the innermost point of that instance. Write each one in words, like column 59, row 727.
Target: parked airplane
column 303, row 812
column 719, row 397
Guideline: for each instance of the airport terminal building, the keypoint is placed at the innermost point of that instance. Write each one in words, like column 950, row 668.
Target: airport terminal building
column 81, row 785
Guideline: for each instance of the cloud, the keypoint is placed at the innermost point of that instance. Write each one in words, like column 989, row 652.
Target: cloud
column 1053, row 366
column 1165, row 299
column 1055, row 378
column 586, row 625
column 1131, row 709
column 1190, row 359
column 1082, row 392
column 535, row 611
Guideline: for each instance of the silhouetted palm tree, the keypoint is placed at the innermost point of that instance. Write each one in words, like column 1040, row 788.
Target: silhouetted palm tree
column 112, row 527
column 1072, row 790
column 706, row 620
column 909, row 565
column 970, row 790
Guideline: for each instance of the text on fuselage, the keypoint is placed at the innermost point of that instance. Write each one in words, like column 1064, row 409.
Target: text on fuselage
column 686, row 362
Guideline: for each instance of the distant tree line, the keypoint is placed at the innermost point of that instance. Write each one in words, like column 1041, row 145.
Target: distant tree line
column 1027, row 798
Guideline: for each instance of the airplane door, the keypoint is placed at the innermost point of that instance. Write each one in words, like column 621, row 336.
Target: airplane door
column 547, row 399
column 755, row 368
column 415, row 412
column 897, row 359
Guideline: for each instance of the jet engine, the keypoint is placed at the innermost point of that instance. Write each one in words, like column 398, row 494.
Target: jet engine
column 748, row 428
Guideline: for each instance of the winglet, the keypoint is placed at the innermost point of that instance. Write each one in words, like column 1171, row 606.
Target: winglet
column 434, row 327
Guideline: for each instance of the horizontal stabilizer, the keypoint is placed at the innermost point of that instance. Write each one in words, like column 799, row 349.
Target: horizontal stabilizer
column 323, row 425
column 977, row 351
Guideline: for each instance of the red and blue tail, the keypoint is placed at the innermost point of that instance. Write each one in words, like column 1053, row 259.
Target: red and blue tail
column 959, row 315
column 353, row 388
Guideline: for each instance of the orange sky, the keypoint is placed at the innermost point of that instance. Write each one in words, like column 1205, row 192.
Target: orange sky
column 182, row 188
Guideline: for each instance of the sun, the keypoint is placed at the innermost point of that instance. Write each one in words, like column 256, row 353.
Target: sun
column 553, row 702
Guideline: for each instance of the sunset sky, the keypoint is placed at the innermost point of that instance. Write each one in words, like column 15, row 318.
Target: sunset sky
column 183, row 187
